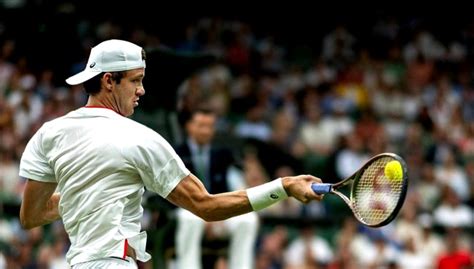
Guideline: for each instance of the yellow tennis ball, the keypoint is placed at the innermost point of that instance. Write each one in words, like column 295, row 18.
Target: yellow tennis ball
column 393, row 170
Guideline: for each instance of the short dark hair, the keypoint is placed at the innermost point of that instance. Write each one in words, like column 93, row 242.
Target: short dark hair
column 202, row 110
column 92, row 86
column 186, row 116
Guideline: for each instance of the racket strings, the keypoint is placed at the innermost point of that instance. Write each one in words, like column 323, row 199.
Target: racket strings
column 375, row 196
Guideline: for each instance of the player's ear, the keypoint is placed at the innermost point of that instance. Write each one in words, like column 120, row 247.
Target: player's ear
column 106, row 80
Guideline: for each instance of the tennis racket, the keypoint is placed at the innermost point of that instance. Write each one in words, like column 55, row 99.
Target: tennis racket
column 377, row 189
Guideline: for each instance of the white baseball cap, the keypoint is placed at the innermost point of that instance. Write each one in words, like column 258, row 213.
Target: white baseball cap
column 110, row 56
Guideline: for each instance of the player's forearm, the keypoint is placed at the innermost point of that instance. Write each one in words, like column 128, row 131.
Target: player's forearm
column 41, row 215
column 40, row 220
column 51, row 212
column 190, row 194
column 225, row 205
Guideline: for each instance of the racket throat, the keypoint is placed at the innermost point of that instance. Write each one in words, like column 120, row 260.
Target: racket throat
column 343, row 197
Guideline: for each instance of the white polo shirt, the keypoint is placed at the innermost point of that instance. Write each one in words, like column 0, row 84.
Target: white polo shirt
column 102, row 161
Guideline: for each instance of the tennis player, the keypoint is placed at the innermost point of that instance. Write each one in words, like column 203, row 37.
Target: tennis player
column 90, row 167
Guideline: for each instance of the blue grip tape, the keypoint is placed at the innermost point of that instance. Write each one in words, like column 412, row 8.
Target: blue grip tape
column 321, row 188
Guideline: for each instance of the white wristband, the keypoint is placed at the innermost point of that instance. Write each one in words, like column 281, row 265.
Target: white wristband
column 267, row 194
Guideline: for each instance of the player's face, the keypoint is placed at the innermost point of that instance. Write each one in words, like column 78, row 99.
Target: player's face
column 129, row 90
column 202, row 127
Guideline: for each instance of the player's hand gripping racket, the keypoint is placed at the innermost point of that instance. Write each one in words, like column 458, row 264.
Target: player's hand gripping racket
column 378, row 189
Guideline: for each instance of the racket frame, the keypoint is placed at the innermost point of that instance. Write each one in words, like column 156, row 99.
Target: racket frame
column 354, row 179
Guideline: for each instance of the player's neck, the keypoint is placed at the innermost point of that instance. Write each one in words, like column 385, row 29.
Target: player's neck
column 93, row 101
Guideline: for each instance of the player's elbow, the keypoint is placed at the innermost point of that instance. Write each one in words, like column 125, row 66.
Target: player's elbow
column 27, row 226
column 208, row 216
column 26, row 223
column 207, row 210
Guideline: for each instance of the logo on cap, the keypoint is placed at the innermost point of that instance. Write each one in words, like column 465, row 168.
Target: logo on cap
column 92, row 64
column 274, row 196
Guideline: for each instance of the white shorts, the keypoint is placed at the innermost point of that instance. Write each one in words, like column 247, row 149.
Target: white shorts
column 112, row 263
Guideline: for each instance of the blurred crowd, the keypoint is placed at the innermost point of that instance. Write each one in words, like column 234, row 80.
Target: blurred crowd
column 323, row 108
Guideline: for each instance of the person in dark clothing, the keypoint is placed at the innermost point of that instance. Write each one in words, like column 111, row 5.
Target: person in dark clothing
column 215, row 166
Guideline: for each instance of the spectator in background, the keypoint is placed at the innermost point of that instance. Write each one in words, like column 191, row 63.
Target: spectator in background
column 7, row 69
column 338, row 47
column 254, row 125
column 451, row 212
column 213, row 165
column 431, row 243
column 407, row 227
column 442, row 101
column 439, row 147
column 450, row 173
column 27, row 103
column 412, row 257
column 412, row 148
column 427, row 189
column 353, row 249
column 314, row 134
column 272, row 248
column 382, row 252
column 455, row 257
column 419, row 72
column 469, row 167
column 308, row 250
column 10, row 184
column 351, row 157
column 466, row 143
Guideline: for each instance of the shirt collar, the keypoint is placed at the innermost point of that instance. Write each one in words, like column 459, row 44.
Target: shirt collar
column 98, row 110
column 101, row 107
column 195, row 147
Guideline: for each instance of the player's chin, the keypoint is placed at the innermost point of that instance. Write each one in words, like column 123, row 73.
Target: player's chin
column 129, row 112
column 132, row 108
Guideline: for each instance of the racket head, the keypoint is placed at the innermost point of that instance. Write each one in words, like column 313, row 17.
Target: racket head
column 376, row 199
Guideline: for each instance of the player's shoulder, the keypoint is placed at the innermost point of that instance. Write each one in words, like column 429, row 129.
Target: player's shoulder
column 48, row 124
column 136, row 127
column 139, row 133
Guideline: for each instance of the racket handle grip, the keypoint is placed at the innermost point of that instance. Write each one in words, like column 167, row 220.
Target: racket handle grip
column 321, row 188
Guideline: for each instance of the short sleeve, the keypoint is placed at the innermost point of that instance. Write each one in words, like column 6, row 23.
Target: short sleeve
column 34, row 164
column 158, row 165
